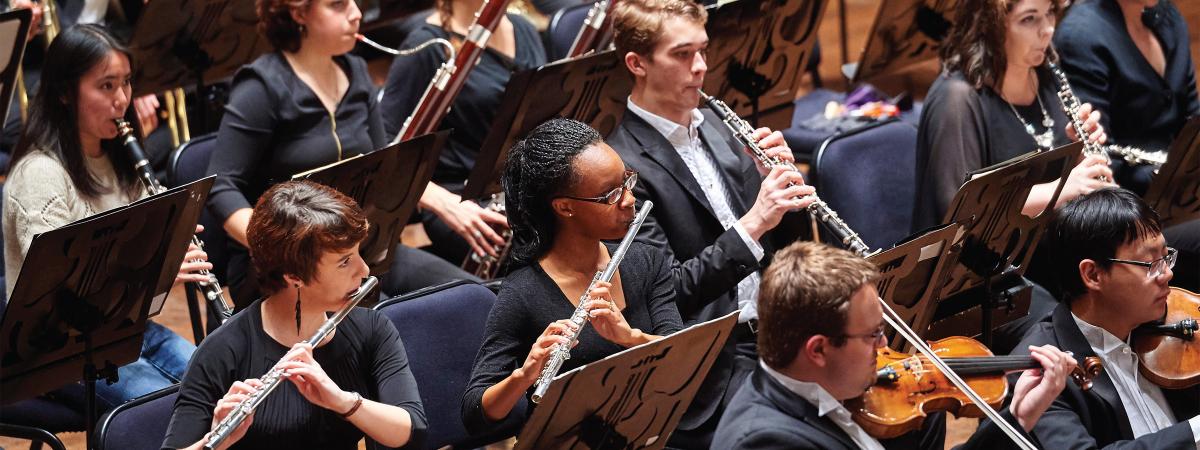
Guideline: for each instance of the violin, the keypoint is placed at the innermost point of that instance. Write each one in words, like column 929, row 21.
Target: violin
column 1169, row 350
column 909, row 387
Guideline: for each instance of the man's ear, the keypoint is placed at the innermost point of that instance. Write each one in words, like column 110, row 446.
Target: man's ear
column 815, row 350
column 1091, row 274
column 636, row 64
column 293, row 281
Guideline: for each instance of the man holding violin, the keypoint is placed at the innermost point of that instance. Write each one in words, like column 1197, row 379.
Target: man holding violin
column 1112, row 267
column 820, row 325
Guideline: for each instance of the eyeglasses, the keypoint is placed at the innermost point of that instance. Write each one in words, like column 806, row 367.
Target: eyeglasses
column 873, row 336
column 1156, row 267
column 613, row 196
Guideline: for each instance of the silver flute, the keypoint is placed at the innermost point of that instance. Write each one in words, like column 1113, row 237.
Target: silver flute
column 1071, row 106
column 274, row 377
column 211, row 289
column 579, row 317
column 818, row 208
column 1135, row 156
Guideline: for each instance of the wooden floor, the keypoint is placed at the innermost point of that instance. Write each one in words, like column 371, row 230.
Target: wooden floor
column 860, row 13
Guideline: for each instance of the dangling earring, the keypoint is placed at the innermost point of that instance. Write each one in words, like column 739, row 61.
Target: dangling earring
column 303, row 30
column 297, row 310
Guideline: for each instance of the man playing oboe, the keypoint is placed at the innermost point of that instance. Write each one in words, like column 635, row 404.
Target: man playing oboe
column 716, row 209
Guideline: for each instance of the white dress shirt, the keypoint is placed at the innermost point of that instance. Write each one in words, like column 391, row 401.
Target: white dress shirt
column 826, row 406
column 1144, row 403
column 686, row 141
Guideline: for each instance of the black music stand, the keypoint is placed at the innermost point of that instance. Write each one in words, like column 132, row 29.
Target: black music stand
column 988, row 285
column 386, row 183
column 905, row 33
column 181, row 42
column 757, row 53
column 591, row 89
column 85, row 291
column 633, row 399
column 1175, row 191
column 14, row 29
column 912, row 274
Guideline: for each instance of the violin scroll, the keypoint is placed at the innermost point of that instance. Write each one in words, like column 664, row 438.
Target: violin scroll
column 1083, row 373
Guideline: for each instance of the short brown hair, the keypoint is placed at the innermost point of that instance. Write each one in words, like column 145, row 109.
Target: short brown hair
column 293, row 225
column 637, row 24
column 975, row 44
column 806, row 292
column 276, row 24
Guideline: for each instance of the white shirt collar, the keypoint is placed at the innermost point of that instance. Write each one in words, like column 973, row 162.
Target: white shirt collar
column 1099, row 339
column 812, row 392
column 675, row 133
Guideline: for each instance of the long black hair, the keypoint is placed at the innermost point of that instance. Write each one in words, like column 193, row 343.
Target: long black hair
column 53, row 126
column 538, row 168
column 1092, row 227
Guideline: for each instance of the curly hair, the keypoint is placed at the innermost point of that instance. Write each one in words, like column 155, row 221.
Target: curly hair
column 637, row 24
column 293, row 224
column 806, row 292
column 975, row 44
column 538, row 168
column 276, row 24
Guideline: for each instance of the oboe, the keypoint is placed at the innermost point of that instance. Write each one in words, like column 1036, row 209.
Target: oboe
column 274, row 377
column 211, row 289
column 1071, row 106
column 818, row 208
column 579, row 317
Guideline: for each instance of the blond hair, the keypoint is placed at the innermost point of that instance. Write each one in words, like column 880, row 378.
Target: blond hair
column 638, row 24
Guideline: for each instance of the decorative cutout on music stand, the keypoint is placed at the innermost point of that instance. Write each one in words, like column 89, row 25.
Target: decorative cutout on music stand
column 633, row 399
column 905, row 33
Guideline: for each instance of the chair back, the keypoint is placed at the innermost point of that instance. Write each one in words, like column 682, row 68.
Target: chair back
column 442, row 330
column 189, row 163
column 140, row 424
column 564, row 27
column 868, row 176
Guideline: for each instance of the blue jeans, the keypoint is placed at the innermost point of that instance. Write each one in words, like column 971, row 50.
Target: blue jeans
column 163, row 360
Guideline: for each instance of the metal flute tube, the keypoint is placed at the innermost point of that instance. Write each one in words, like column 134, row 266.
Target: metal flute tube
column 579, row 316
column 274, row 377
column 211, row 289
column 818, row 208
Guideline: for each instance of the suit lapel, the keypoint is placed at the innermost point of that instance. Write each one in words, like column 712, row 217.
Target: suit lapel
column 656, row 147
column 727, row 161
column 796, row 406
column 1102, row 386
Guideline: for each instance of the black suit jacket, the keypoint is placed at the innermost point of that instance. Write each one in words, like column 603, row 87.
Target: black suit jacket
column 707, row 260
column 1097, row 418
column 766, row 415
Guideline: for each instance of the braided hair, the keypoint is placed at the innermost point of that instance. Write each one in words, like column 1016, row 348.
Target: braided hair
column 538, row 168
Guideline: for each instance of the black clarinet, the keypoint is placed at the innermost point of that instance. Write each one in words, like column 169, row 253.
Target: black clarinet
column 818, row 208
column 1071, row 106
column 211, row 289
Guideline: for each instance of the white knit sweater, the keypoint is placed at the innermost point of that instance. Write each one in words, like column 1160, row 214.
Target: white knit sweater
column 39, row 196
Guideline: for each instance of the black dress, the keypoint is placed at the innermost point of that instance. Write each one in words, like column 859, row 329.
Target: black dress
column 529, row 301
column 274, row 127
column 964, row 129
column 365, row 355
column 470, row 115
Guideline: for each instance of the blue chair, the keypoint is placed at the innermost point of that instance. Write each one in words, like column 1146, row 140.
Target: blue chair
column 139, row 424
column 36, row 420
column 189, row 163
column 868, row 176
column 442, row 330
column 564, row 26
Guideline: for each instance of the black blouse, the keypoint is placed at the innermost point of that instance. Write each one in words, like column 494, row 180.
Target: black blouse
column 964, row 129
column 275, row 126
column 1140, row 108
column 472, row 112
column 529, row 301
column 365, row 355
